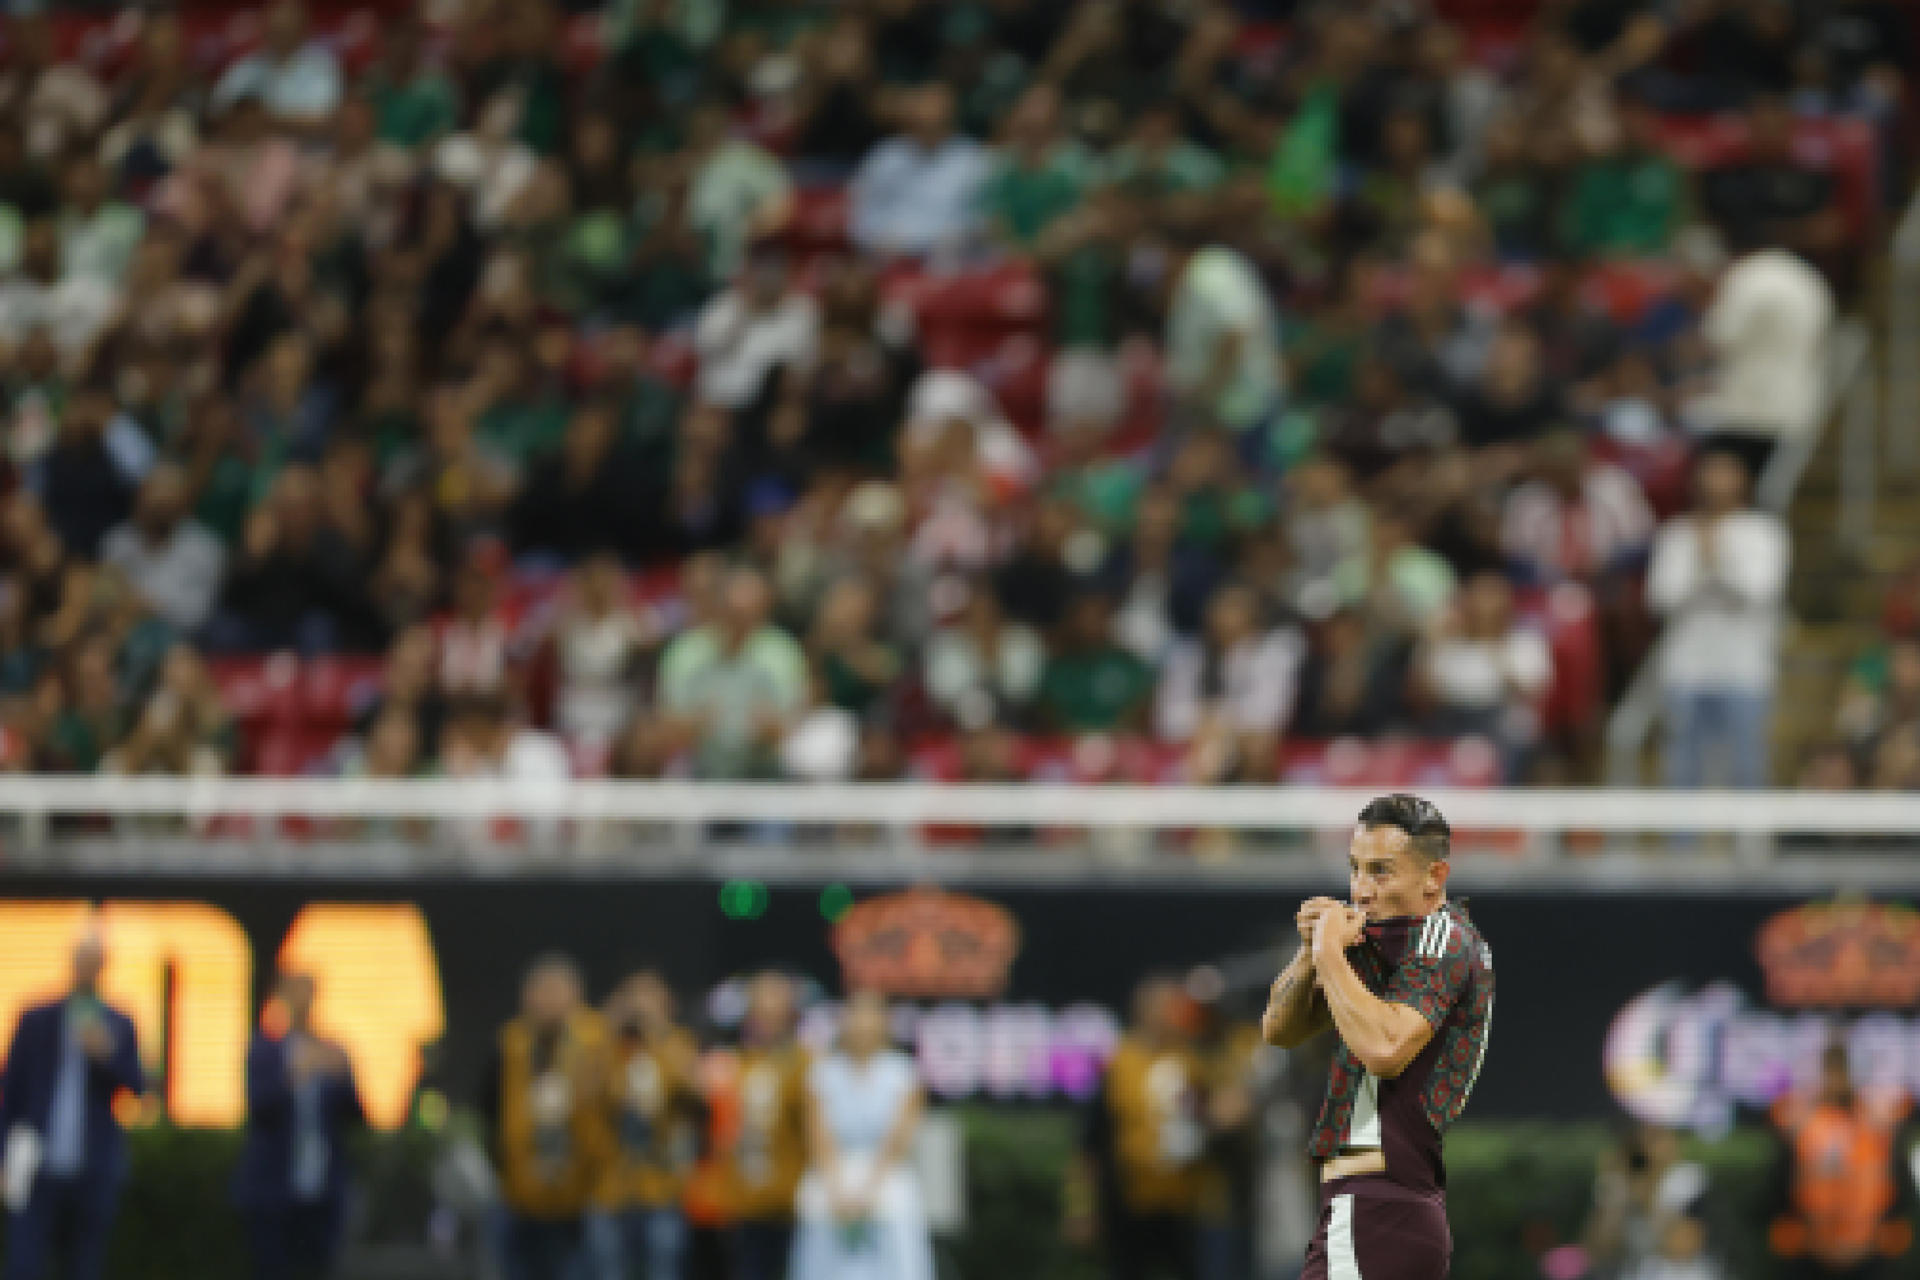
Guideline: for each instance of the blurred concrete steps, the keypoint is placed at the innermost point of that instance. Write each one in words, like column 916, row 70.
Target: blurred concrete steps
column 1835, row 593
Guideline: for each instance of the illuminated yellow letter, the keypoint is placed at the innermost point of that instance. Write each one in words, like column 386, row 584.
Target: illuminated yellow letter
column 36, row 940
column 377, row 992
column 207, row 1021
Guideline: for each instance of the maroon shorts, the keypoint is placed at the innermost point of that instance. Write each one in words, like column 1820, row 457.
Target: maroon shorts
column 1372, row 1229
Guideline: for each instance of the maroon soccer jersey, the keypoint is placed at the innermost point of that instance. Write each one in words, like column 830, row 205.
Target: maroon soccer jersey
column 1438, row 965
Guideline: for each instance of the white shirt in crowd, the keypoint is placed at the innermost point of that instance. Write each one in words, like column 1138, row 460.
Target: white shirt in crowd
column 1560, row 539
column 596, row 696
column 942, row 397
column 910, row 199
column 306, row 86
column 528, row 758
column 1260, row 681
column 957, row 671
column 1220, row 297
column 1767, row 327
column 178, row 578
column 533, row 756
column 1722, row 601
column 1469, row 674
column 739, row 348
column 73, row 311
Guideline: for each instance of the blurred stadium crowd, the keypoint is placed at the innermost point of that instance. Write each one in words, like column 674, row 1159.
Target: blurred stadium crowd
column 1093, row 389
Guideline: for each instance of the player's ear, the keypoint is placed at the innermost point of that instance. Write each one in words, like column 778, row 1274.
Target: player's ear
column 1438, row 869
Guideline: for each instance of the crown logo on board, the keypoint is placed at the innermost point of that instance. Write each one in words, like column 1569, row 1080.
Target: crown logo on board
column 1842, row 954
column 927, row 943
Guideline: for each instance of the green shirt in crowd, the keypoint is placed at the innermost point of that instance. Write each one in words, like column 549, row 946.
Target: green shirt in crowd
column 1094, row 692
column 412, row 114
column 522, row 430
column 733, row 692
column 1085, row 292
column 1421, row 578
column 1024, row 199
column 695, row 23
column 738, row 180
column 226, row 499
column 1628, row 204
column 1304, row 165
column 1181, row 169
column 100, row 245
column 1107, row 492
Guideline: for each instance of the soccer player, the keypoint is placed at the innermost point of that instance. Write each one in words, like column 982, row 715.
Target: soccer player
column 1405, row 981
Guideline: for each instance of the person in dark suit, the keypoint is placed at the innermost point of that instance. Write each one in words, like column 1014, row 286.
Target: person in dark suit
column 65, row 1155
column 302, row 1103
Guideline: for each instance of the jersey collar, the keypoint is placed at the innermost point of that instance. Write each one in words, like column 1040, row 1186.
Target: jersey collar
column 1394, row 936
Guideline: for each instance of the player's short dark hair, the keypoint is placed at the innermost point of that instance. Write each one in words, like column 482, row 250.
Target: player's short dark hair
column 1426, row 830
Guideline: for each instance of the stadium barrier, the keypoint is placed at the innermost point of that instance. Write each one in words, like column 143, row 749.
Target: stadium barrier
column 36, row 798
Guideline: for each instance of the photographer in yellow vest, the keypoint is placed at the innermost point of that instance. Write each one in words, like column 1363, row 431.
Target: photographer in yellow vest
column 545, row 1101
column 658, row 1118
column 1136, row 1184
column 767, row 1151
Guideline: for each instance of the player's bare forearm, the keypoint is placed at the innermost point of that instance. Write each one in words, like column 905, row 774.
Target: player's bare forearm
column 1384, row 1036
column 1296, row 1012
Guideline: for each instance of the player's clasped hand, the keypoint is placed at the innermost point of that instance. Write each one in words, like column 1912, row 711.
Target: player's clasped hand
column 1310, row 912
column 1338, row 929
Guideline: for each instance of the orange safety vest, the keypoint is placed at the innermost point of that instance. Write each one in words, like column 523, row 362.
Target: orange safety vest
column 1843, row 1182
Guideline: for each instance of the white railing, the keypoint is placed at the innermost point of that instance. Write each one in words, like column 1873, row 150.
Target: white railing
column 1620, row 812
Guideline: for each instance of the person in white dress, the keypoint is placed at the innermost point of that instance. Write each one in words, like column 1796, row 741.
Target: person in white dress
column 859, row 1208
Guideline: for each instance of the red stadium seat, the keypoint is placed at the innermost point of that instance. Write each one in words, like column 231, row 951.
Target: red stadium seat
column 1664, row 469
column 260, row 690
column 1627, row 288
column 583, row 44
column 673, row 360
column 1015, row 371
column 934, row 759
column 1566, row 614
column 356, row 41
column 1144, row 377
column 1473, row 762
column 335, row 689
column 999, row 300
column 1396, row 762
column 818, row 223
column 292, row 752
column 1843, row 147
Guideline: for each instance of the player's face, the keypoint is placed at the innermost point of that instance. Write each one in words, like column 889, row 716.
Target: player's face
column 1386, row 878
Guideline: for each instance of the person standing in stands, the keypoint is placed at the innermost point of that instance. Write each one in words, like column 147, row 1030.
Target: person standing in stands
column 768, row 1152
column 658, row 1119
column 1140, row 1162
column 544, row 1100
column 64, row 1155
column 302, row 1104
column 1719, row 577
column 1843, row 1219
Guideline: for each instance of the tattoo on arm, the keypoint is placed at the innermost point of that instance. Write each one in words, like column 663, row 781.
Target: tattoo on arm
column 1294, row 1009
